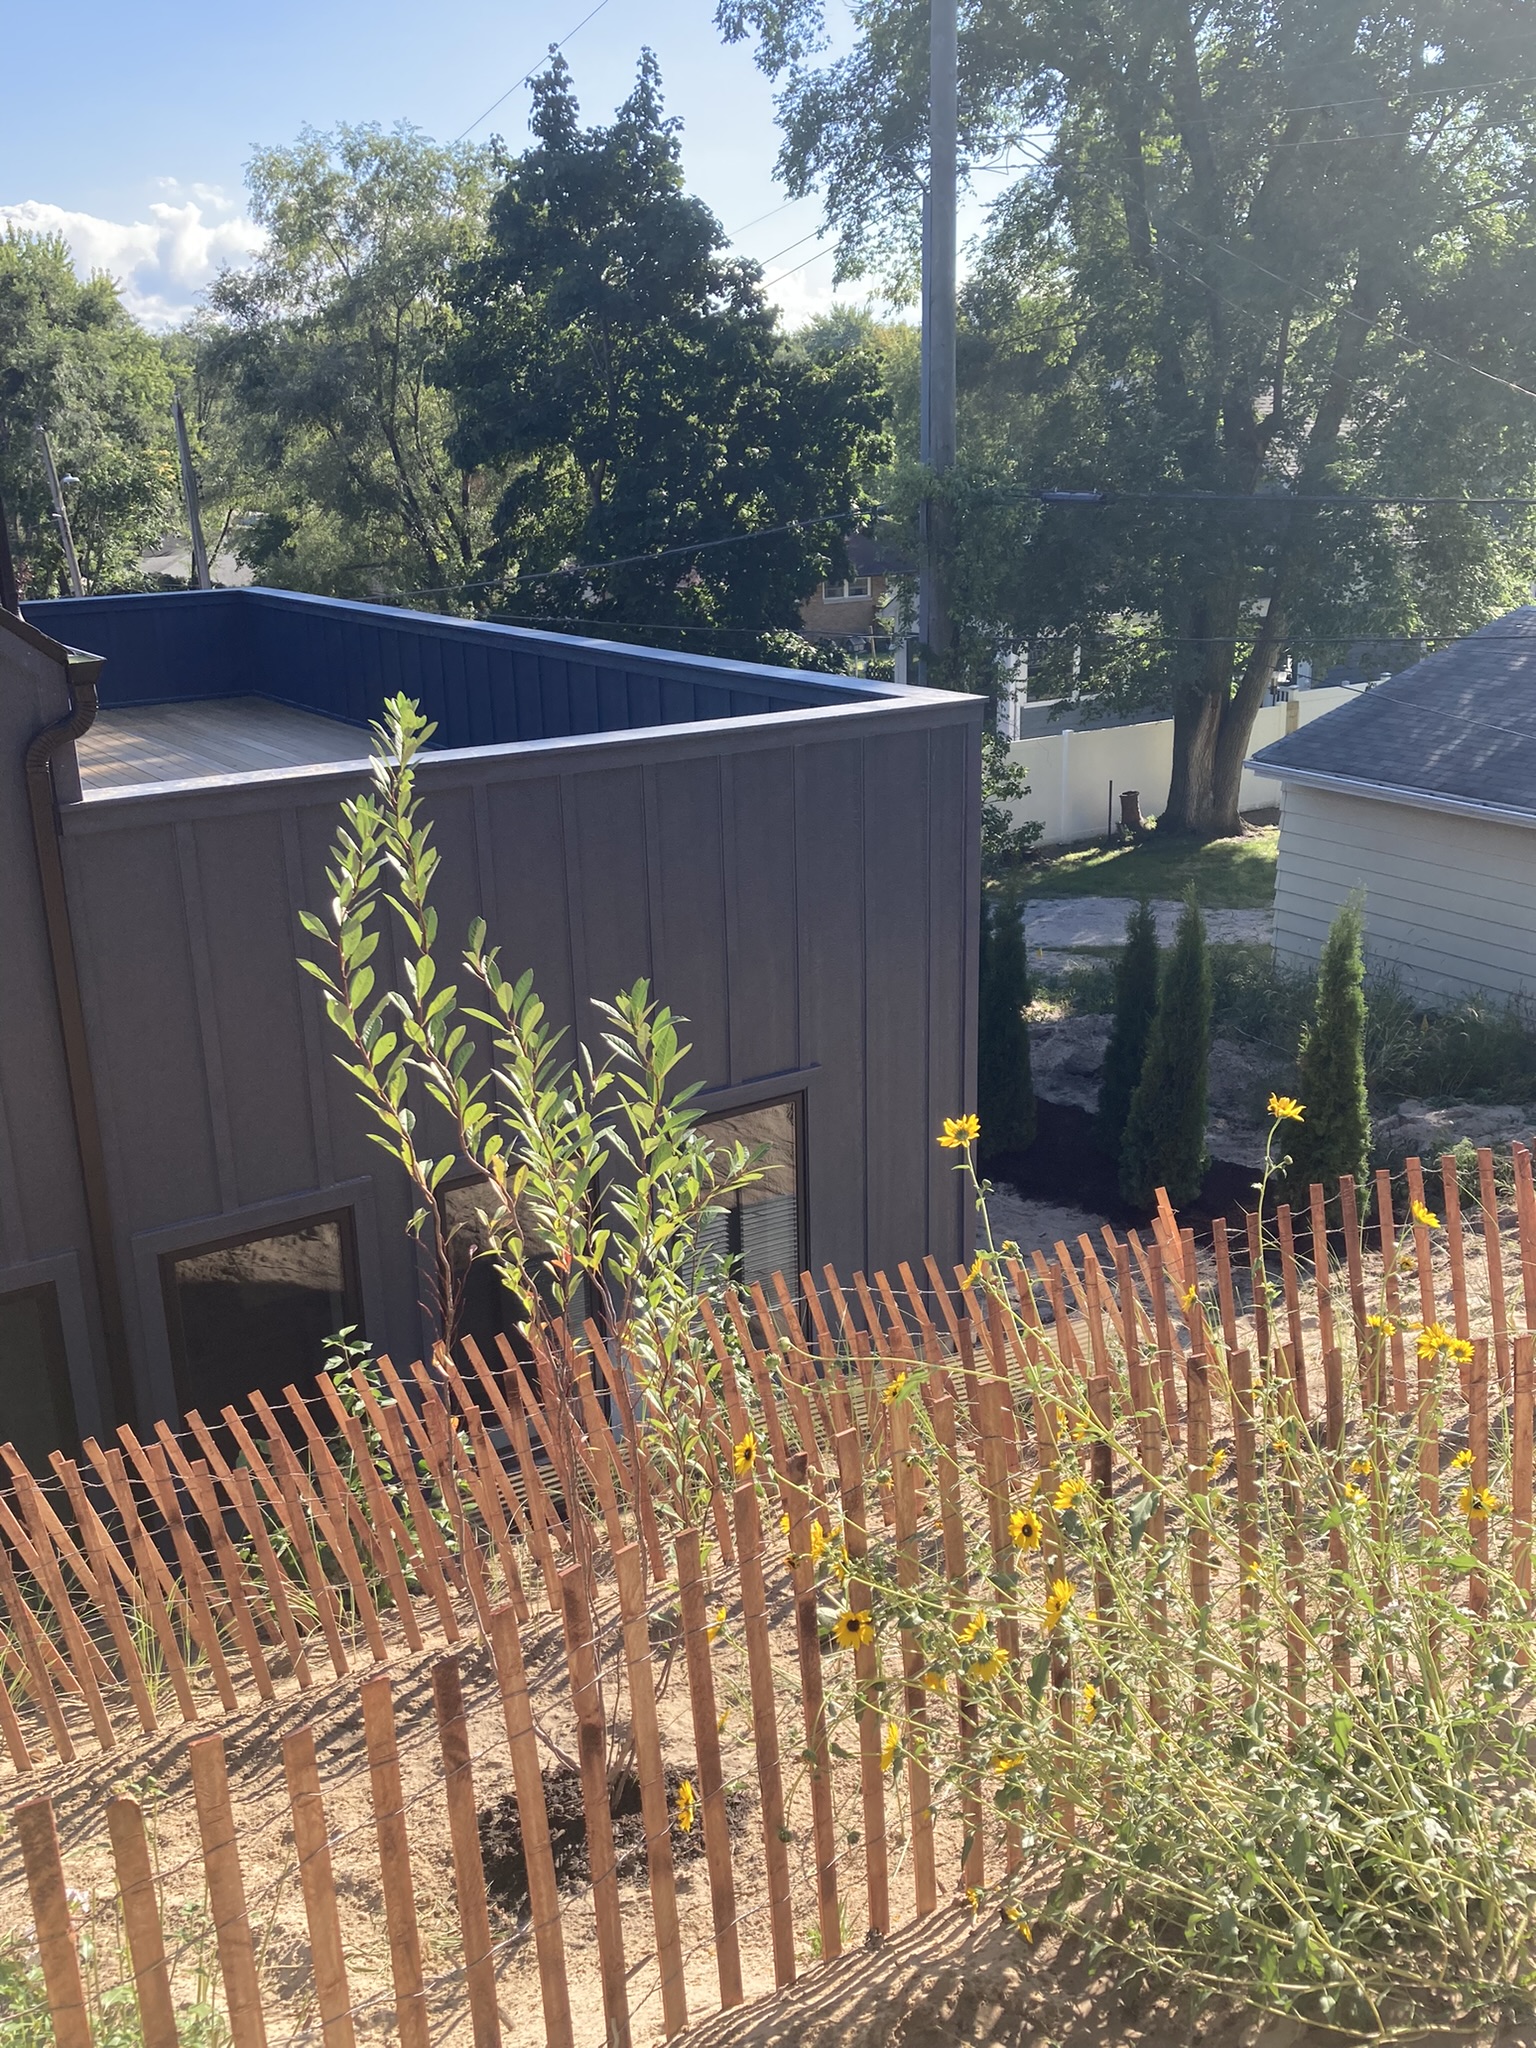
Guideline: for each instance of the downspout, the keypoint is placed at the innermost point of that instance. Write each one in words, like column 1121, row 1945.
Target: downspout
column 83, row 671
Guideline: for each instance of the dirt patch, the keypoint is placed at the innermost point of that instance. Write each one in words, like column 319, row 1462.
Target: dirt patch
column 501, row 1834
column 951, row 1980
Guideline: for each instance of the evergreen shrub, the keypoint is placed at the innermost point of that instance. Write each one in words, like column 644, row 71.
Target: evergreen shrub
column 1334, row 1136
column 1005, row 1089
column 1164, row 1142
column 1135, row 1008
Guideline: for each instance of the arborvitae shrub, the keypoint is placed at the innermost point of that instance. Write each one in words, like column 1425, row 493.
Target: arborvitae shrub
column 1164, row 1142
column 1135, row 1007
column 1005, row 1089
column 1334, row 1136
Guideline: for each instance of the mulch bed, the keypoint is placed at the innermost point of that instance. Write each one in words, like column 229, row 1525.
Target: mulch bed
column 501, row 1834
column 1066, row 1165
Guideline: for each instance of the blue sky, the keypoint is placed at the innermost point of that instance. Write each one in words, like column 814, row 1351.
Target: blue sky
column 134, row 130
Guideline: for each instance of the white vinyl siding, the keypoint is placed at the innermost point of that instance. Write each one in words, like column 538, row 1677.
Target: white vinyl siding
column 1450, row 902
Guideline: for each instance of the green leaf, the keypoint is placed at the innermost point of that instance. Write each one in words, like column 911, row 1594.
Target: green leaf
column 1141, row 1512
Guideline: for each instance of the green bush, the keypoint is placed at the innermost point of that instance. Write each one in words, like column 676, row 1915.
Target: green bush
column 1135, row 1008
column 1004, row 845
column 1164, row 1143
column 1005, row 1089
column 1334, row 1136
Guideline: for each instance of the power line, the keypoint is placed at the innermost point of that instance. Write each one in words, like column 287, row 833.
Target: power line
column 769, row 215
column 696, row 547
column 817, row 232
column 1096, row 498
column 770, row 282
column 529, row 76
column 1167, row 221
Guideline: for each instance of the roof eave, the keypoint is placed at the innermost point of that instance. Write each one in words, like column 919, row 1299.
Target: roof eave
column 1391, row 793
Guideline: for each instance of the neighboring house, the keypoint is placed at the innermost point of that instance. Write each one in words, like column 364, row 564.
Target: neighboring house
column 189, row 1201
column 861, row 607
column 1422, row 794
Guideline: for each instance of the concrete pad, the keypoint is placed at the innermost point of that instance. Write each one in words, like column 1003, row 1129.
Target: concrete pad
column 1056, row 926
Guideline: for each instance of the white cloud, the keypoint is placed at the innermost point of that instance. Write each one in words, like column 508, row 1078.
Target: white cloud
column 161, row 264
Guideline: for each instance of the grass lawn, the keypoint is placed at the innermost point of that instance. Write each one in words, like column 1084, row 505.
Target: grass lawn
column 1228, row 874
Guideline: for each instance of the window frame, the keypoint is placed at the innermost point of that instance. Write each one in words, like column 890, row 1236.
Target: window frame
column 344, row 1216
column 796, row 1098
column 56, row 1342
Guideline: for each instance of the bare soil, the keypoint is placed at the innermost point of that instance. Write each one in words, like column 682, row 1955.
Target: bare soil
column 957, row 1979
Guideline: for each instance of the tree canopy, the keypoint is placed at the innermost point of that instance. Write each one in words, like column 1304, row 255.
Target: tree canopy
column 1249, row 249
column 317, row 366
column 75, row 361
column 627, row 375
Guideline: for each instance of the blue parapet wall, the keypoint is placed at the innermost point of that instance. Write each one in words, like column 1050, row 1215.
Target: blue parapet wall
column 482, row 684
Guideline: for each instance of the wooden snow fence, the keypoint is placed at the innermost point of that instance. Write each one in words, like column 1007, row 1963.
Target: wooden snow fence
column 204, row 1577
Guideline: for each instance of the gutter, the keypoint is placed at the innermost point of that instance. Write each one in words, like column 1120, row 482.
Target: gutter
column 83, row 671
column 1390, row 793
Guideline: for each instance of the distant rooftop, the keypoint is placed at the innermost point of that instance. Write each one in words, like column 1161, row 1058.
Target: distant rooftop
column 201, row 684
column 1457, row 729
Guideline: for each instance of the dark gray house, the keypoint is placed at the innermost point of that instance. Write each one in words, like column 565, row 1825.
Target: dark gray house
column 188, row 1199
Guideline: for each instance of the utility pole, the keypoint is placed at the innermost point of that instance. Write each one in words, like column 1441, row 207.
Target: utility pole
column 60, row 513
column 201, row 580
column 9, row 599
column 938, row 359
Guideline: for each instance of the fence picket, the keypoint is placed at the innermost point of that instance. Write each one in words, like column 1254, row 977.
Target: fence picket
column 813, row 1707
column 651, row 1772
column 765, row 1727
column 141, row 1922
column 706, row 1749
column 226, row 1892
column 464, row 1837
column 317, row 1882
column 400, row 1924
column 38, row 1834
column 866, row 1664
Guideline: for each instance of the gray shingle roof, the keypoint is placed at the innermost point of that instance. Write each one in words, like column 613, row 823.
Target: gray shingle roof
column 1459, row 725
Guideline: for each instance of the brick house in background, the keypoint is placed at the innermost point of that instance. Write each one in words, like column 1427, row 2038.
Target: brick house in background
column 862, row 608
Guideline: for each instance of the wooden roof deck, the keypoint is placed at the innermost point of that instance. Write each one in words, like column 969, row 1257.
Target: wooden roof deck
column 135, row 745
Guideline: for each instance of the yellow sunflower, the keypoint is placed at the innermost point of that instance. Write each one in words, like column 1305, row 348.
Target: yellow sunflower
column 854, row 1629
column 959, row 1131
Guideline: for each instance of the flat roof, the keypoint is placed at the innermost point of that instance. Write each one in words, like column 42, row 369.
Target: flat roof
column 138, row 745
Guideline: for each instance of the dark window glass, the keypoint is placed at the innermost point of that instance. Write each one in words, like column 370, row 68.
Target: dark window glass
column 37, row 1409
column 254, row 1313
column 759, row 1231
column 487, row 1308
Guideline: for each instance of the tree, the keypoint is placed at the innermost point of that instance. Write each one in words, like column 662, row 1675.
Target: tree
column 1005, row 1089
column 72, row 358
column 1135, row 1008
column 629, row 375
column 325, row 345
column 1248, row 248
column 1004, row 782
column 1334, row 1136
column 1164, row 1143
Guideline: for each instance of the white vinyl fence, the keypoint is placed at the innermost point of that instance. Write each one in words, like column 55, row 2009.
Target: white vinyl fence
column 1076, row 776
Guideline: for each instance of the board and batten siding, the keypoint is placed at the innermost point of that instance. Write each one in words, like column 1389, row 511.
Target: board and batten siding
column 803, row 889
column 1450, row 902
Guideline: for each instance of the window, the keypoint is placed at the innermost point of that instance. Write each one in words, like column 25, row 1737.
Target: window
column 488, row 1309
column 254, row 1312
column 856, row 586
column 37, row 1408
column 759, row 1231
